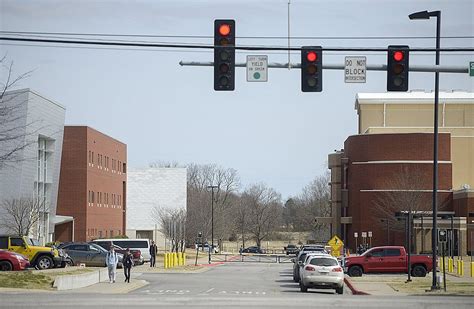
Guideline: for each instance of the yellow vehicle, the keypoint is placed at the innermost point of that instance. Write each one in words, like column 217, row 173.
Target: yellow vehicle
column 40, row 257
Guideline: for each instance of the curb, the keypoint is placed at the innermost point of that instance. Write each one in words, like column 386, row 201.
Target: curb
column 71, row 282
column 353, row 289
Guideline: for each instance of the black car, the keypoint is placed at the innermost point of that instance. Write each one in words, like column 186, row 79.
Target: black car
column 253, row 249
column 291, row 249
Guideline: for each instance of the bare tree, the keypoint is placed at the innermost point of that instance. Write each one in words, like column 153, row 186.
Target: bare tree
column 13, row 133
column 20, row 215
column 172, row 224
column 263, row 207
column 199, row 200
column 164, row 164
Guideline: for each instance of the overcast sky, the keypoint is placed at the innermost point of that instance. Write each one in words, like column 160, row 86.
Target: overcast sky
column 269, row 132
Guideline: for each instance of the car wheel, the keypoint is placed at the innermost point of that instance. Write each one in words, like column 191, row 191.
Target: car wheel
column 44, row 262
column 418, row 271
column 303, row 288
column 355, row 271
column 340, row 290
column 6, row 266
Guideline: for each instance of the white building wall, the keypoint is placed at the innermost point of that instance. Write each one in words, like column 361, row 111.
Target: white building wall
column 38, row 118
column 150, row 187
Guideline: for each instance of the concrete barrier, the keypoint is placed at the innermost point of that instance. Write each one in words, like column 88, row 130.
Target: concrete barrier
column 70, row 282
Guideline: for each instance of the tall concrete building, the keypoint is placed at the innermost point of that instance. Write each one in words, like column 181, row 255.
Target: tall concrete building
column 93, row 185
column 33, row 173
column 395, row 133
column 149, row 188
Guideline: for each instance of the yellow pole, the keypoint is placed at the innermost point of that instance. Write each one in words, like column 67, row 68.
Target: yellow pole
column 180, row 258
column 472, row 269
column 174, row 259
column 184, row 262
column 450, row 265
column 461, row 272
column 165, row 260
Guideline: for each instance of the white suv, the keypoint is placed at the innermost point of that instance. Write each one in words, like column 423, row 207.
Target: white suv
column 321, row 272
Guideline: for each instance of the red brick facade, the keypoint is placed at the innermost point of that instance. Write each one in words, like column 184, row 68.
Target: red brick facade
column 92, row 185
column 374, row 161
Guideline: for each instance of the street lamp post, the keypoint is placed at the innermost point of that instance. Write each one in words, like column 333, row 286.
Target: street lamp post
column 434, row 234
column 212, row 219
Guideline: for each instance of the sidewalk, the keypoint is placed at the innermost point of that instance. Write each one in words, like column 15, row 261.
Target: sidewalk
column 119, row 287
column 395, row 284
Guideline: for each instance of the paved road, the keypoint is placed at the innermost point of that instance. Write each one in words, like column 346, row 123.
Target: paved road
column 233, row 285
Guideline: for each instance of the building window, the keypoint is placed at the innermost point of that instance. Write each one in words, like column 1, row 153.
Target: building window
column 92, row 158
column 124, row 169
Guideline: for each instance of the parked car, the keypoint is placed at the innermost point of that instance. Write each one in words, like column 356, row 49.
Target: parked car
column 291, row 249
column 38, row 256
column 89, row 254
column 136, row 254
column 133, row 244
column 388, row 259
column 205, row 247
column 300, row 258
column 321, row 271
column 13, row 261
column 253, row 249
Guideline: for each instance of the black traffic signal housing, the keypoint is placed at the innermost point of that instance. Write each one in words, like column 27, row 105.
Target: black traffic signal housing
column 311, row 69
column 224, row 54
column 442, row 235
column 397, row 67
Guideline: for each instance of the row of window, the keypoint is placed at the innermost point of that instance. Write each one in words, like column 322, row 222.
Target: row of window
column 105, row 163
column 101, row 233
column 104, row 199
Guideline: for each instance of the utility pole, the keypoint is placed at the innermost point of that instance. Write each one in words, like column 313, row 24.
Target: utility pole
column 212, row 187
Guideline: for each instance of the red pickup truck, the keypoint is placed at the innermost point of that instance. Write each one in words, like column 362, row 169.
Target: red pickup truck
column 387, row 259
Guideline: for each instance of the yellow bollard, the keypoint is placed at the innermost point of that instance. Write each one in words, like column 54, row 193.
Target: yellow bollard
column 461, row 270
column 167, row 260
column 458, row 265
column 165, row 264
column 184, row 262
column 180, row 258
column 175, row 259
column 472, row 269
column 450, row 265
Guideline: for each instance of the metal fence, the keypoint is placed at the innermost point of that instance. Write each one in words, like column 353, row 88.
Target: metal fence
column 256, row 258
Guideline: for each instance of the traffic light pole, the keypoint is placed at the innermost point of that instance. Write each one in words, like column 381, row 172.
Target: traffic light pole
column 373, row 67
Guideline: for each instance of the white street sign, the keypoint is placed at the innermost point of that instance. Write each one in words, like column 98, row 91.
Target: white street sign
column 369, row 234
column 364, row 234
column 257, row 68
column 356, row 234
column 355, row 69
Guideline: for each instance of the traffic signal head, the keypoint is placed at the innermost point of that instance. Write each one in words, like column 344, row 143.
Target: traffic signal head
column 397, row 68
column 311, row 69
column 224, row 54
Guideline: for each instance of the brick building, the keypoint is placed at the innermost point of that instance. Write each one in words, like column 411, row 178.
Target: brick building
column 92, row 185
column 395, row 139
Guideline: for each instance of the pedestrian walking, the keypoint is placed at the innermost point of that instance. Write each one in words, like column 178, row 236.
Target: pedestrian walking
column 153, row 252
column 127, row 264
column 111, row 260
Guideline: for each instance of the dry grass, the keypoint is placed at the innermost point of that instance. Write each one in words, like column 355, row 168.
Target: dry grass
column 35, row 280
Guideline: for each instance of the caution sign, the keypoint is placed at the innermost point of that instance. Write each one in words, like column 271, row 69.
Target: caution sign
column 336, row 245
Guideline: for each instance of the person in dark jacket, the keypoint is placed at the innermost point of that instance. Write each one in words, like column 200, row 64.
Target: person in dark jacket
column 127, row 264
column 153, row 252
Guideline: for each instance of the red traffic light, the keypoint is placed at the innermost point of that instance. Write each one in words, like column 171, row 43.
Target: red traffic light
column 224, row 29
column 398, row 55
column 312, row 56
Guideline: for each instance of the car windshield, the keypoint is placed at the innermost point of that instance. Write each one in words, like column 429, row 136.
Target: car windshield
column 321, row 261
column 33, row 242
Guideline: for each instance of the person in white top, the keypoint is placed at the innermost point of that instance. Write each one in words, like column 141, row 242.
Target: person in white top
column 112, row 260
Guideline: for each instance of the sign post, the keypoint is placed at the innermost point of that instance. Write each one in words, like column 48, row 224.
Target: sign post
column 471, row 68
column 356, row 235
column 442, row 237
column 369, row 234
column 257, row 68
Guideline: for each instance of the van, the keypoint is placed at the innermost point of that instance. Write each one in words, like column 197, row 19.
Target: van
column 133, row 244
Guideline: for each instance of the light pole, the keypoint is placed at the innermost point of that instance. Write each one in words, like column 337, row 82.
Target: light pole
column 434, row 233
column 212, row 219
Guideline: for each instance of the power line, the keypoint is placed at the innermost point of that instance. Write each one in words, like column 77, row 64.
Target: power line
column 240, row 37
column 248, row 48
column 171, row 50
